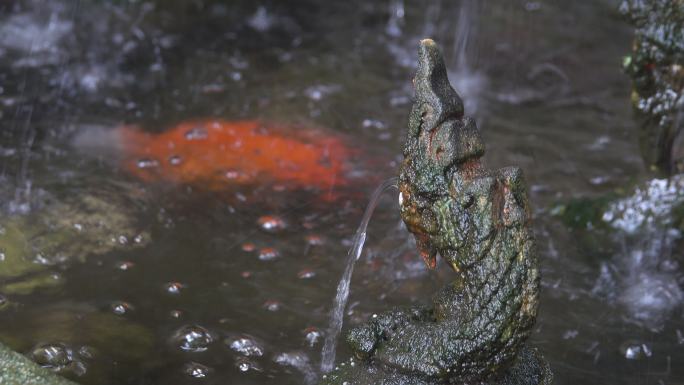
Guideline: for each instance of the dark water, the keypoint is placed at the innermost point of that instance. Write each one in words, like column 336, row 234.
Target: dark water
column 167, row 288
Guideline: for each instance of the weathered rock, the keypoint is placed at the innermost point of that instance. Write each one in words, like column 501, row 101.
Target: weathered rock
column 478, row 221
column 656, row 67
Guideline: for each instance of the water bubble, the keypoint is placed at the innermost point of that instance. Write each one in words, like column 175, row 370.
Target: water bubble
column 314, row 240
column 197, row 133
column 121, row 308
column 271, row 305
column 271, row 223
column 632, row 350
column 306, row 274
column 174, row 287
column 175, row 313
column 196, row 370
column 175, row 160
column 268, row 254
column 246, row 274
column 125, row 265
column 312, row 335
column 86, row 352
column 248, row 247
column 55, row 356
column 244, row 365
column 192, row 338
column 246, row 346
column 147, row 163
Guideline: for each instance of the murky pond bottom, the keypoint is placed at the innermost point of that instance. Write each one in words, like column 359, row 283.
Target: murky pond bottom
column 225, row 270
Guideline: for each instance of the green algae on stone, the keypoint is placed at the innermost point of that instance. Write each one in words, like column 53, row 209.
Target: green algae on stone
column 478, row 221
column 656, row 67
column 63, row 231
column 82, row 325
column 103, row 334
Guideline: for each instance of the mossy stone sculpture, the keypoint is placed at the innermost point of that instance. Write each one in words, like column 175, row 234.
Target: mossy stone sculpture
column 478, row 221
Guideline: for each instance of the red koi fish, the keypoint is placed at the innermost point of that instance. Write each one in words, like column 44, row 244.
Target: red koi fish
column 216, row 154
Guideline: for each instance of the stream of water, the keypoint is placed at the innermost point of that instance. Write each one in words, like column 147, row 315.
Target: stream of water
column 340, row 301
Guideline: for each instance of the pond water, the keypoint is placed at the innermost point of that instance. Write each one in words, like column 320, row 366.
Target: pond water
column 208, row 273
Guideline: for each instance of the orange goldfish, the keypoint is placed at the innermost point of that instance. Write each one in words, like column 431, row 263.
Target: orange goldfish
column 216, row 154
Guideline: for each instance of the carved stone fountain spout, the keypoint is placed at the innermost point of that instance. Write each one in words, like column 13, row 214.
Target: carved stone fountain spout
column 478, row 221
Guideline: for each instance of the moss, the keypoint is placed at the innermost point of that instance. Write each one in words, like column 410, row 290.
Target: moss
column 585, row 213
column 62, row 232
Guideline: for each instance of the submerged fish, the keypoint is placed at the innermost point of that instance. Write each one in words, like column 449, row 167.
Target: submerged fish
column 217, row 154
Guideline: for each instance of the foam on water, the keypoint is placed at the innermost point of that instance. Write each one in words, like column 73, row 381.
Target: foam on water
column 649, row 205
column 643, row 278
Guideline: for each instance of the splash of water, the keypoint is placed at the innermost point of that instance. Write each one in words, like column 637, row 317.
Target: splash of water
column 340, row 302
column 467, row 81
column 644, row 277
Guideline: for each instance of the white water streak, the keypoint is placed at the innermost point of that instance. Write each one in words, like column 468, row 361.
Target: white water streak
column 337, row 313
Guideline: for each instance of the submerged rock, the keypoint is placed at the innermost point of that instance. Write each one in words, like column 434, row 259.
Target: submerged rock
column 656, row 67
column 65, row 338
column 63, row 231
column 478, row 221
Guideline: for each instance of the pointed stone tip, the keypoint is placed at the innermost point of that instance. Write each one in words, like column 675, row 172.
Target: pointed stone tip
column 427, row 42
column 432, row 84
column 429, row 57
